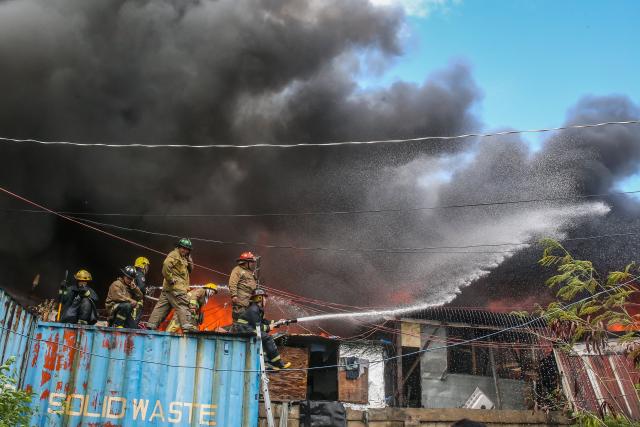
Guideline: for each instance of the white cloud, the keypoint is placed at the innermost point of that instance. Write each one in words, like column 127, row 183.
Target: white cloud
column 421, row 8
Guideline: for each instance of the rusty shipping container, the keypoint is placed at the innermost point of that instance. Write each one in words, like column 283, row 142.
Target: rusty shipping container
column 16, row 327
column 105, row 377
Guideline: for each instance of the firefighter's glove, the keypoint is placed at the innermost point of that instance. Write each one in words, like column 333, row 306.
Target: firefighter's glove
column 86, row 294
column 281, row 322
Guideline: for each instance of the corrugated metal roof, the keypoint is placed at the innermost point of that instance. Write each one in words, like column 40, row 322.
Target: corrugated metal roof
column 92, row 376
column 476, row 317
column 597, row 382
column 16, row 325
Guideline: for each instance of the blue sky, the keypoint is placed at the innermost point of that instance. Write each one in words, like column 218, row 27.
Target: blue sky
column 532, row 59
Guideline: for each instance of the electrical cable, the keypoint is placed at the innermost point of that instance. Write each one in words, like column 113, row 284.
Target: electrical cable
column 324, row 144
column 390, row 358
column 403, row 250
column 400, row 250
column 100, row 230
column 343, row 212
column 317, row 248
column 160, row 252
column 464, row 342
column 115, row 236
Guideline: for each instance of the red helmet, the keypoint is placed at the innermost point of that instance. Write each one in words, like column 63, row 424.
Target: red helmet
column 247, row 256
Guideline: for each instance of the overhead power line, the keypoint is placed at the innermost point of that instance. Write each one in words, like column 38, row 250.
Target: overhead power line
column 343, row 212
column 383, row 360
column 444, row 249
column 321, row 144
column 91, row 227
column 426, row 249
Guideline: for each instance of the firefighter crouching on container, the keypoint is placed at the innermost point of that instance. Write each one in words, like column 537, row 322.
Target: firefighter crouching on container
column 242, row 283
column 79, row 301
column 124, row 300
column 198, row 298
column 175, row 286
column 253, row 316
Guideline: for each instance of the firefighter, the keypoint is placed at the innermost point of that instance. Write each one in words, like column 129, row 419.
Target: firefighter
column 124, row 300
column 198, row 298
column 253, row 316
column 242, row 283
column 176, row 269
column 141, row 265
column 79, row 301
column 142, row 268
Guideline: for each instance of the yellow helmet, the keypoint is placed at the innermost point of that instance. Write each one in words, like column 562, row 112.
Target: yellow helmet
column 211, row 286
column 83, row 276
column 141, row 262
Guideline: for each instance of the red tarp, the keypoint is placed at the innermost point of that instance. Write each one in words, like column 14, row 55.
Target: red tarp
column 217, row 313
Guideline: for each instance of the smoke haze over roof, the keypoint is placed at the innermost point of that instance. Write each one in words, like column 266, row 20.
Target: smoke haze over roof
column 239, row 72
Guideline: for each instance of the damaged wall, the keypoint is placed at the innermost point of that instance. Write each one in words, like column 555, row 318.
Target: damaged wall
column 441, row 389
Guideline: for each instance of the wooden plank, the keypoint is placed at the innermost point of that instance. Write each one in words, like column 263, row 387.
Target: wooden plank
column 495, row 379
column 290, row 385
column 353, row 391
column 399, row 376
column 410, row 332
column 397, row 416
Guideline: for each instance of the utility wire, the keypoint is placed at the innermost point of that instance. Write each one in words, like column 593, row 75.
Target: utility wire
column 323, row 144
column 427, row 249
column 25, row 200
column 91, row 227
column 459, row 249
column 336, row 213
column 286, row 295
column 446, row 346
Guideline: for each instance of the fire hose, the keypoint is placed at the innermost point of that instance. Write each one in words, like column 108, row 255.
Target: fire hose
column 284, row 322
column 156, row 288
column 149, row 289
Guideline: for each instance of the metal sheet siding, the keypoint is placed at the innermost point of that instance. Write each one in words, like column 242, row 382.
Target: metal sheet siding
column 103, row 377
column 589, row 380
column 16, row 326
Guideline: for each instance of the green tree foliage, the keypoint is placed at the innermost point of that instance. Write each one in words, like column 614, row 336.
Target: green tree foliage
column 586, row 419
column 14, row 403
column 586, row 309
column 588, row 305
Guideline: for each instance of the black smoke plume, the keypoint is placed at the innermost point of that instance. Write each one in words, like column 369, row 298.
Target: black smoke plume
column 239, row 72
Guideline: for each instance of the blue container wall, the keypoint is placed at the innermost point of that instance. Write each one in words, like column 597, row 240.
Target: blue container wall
column 16, row 325
column 91, row 376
